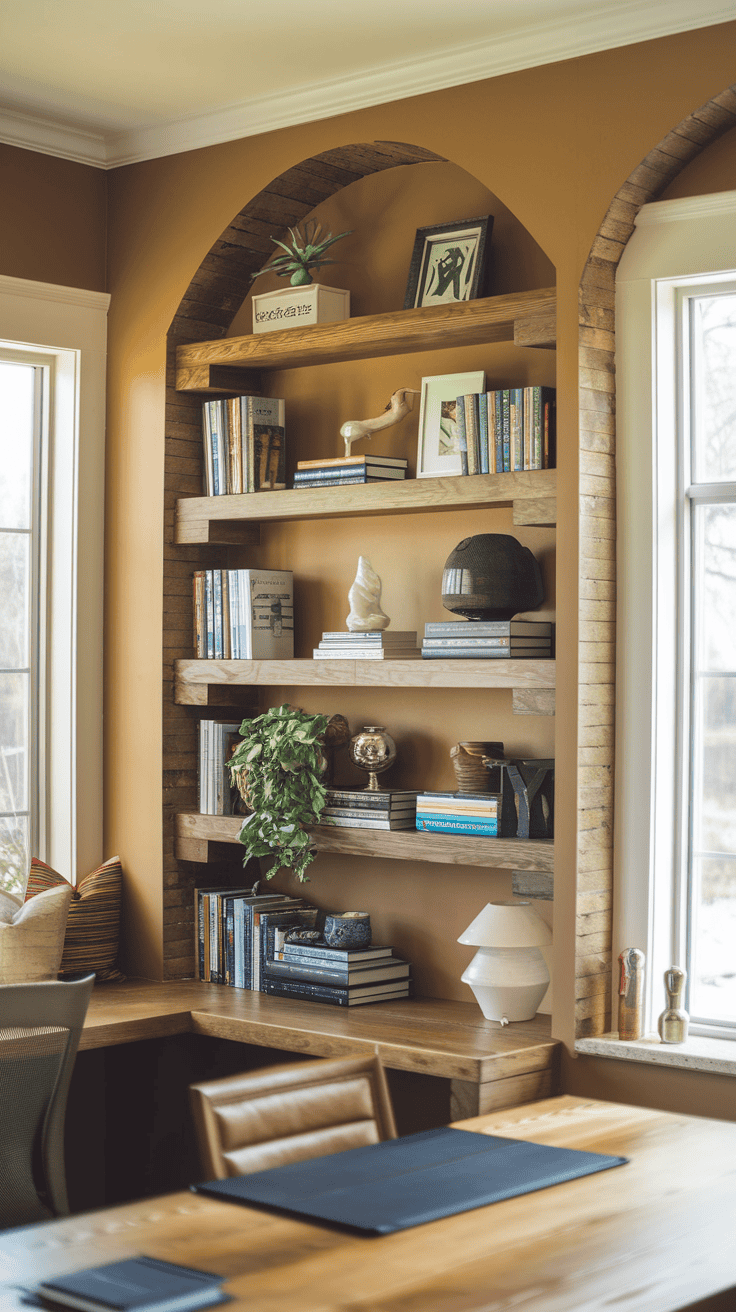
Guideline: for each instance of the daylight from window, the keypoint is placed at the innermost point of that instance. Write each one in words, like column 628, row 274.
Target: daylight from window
column 17, row 442
column 712, row 690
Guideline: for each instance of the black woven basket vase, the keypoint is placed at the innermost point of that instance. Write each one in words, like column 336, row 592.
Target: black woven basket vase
column 491, row 577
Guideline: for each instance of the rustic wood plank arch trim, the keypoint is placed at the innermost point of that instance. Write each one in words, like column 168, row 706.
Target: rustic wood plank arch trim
column 597, row 554
column 206, row 311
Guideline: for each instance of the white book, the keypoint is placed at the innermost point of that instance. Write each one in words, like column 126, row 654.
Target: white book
column 267, row 596
column 364, row 654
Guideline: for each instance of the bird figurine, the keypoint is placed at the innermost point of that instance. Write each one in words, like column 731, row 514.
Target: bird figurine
column 397, row 409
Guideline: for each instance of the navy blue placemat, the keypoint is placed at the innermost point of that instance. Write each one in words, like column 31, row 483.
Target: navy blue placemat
column 406, row 1182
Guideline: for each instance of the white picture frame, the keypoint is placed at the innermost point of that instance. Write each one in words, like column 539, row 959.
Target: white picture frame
column 438, row 454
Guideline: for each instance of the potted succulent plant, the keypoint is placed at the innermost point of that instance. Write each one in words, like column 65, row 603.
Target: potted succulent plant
column 279, row 768
column 304, row 301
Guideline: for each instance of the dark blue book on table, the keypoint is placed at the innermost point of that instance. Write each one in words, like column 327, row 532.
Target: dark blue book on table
column 406, row 1182
column 135, row 1283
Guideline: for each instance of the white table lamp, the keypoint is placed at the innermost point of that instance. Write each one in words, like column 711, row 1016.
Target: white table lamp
column 508, row 973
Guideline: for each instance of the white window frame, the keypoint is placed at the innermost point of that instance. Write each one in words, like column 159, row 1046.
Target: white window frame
column 680, row 241
column 65, row 330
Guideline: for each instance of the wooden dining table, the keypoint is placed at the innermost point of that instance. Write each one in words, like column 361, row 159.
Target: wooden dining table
column 654, row 1235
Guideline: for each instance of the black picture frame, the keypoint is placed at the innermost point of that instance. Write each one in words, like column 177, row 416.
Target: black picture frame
column 448, row 263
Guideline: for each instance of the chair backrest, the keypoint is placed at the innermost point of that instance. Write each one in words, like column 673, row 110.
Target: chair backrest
column 251, row 1122
column 40, row 1026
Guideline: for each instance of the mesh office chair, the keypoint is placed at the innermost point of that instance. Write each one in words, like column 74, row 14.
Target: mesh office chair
column 265, row 1118
column 40, row 1026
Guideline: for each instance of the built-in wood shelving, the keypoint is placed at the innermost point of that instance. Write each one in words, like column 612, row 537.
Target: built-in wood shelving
column 194, row 833
column 532, row 493
column 198, row 682
column 526, row 318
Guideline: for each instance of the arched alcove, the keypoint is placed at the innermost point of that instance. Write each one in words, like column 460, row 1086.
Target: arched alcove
column 211, row 302
column 597, row 551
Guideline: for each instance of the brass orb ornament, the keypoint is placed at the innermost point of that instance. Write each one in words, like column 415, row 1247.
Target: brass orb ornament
column 373, row 750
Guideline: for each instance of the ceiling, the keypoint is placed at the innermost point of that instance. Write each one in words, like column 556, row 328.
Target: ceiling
column 108, row 83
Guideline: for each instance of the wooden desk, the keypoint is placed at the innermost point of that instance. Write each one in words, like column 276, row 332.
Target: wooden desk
column 489, row 1066
column 651, row 1236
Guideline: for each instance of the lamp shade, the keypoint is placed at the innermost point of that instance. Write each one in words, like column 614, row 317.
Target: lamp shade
column 507, row 925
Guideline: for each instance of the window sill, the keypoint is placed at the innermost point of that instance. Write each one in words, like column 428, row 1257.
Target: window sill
column 716, row 1056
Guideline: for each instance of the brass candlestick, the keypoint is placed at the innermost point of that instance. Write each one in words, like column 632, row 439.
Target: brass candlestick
column 630, row 993
column 674, row 1021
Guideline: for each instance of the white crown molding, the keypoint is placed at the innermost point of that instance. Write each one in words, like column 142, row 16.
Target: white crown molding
column 49, row 291
column 46, row 137
column 603, row 27
column 716, row 203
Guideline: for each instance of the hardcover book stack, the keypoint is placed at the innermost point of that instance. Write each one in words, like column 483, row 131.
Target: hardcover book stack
column 348, row 470
column 378, row 645
column 244, row 445
column 237, row 933
column 343, row 977
column 244, row 614
column 217, row 738
column 361, row 809
column 507, row 430
column 458, row 813
column 487, row 640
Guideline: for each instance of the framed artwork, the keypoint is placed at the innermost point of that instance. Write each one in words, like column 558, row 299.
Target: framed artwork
column 438, row 452
column 448, row 262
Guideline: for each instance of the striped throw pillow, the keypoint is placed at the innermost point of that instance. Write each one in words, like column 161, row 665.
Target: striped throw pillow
column 93, row 927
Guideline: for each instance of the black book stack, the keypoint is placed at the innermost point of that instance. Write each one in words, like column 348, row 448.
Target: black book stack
column 348, row 470
column 487, row 640
column 362, row 809
column 342, row 977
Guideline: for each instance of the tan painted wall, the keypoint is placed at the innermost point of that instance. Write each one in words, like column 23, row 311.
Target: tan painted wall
column 554, row 144
column 52, row 220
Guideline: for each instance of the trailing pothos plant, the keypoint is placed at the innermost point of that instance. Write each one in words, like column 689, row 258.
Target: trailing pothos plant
column 278, row 768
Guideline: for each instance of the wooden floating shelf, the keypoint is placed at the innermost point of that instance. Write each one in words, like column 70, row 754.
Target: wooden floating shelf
column 531, row 492
column 526, row 318
column 194, row 833
column 197, row 682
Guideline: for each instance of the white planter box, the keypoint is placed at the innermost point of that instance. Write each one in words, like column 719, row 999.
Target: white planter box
column 292, row 307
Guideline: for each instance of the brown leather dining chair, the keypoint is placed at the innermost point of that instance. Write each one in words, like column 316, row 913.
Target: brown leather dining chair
column 280, row 1114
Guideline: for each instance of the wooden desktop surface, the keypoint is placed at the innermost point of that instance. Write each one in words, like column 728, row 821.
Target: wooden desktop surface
column 432, row 1036
column 653, row 1235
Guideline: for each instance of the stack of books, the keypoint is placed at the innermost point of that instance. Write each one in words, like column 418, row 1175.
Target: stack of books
column 344, row 977
column 360, row 809
column 244, row 614
column 458, row 813
column 487, row 640
column 508, row 430
column 217, row 738
column 244, row 445
column 379, row 645
column 237, row 933
column 348, row 469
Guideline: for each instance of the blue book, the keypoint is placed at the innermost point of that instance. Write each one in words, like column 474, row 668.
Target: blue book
column 506, row 429
column 483, row 432
column 135, row 1283
column 457, row 825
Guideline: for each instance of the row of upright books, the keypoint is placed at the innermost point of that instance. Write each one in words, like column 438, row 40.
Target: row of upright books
column 507, row 430
column 346, row 470
column 487, row 640
column 244, row 445
column 244, row 614
column 217, row 794
column 352, row 808
column 458, row 813
column 378, row 645
column 242, row 943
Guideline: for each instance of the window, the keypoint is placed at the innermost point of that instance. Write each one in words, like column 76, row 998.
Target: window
column 675, row 828
column 21, row 528
column 52, row 388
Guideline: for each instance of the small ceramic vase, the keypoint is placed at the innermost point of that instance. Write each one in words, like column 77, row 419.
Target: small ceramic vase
column 350, row 930
column 467, row 761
